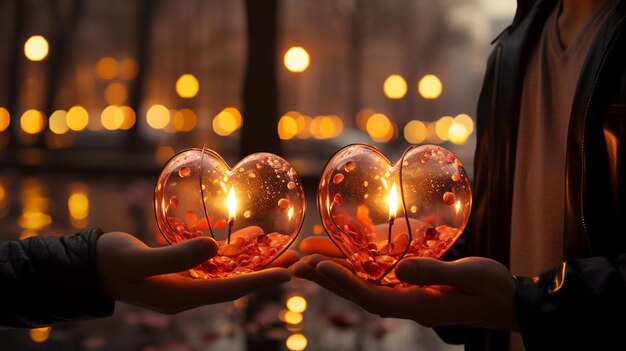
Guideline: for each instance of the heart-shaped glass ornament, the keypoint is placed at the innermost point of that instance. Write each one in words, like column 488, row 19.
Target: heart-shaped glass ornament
column 378, row 213
column 254, row 211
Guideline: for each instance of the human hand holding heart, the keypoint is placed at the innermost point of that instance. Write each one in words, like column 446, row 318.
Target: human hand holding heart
column 396, row 272
column 378, row 213
column 254, row 211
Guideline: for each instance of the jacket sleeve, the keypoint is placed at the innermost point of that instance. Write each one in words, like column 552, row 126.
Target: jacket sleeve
column 45, row 281
column 581, row 302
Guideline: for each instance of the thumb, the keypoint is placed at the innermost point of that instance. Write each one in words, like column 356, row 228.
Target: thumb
column 176, row 258
column 428, row 271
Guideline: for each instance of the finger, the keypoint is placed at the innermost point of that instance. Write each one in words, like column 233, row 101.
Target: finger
column 305, row 271
column 288, row 258
column 315, row 259
column 175, row 258
column 202, row 292
column 467, row 274
column 173, row 293
column 324, row 246
column 350, row 283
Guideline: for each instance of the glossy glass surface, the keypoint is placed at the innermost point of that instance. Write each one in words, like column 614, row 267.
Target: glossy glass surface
column 377, row 212
column 254, row 210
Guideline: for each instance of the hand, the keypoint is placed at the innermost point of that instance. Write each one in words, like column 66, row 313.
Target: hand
column 154, row 277
column 472, row 291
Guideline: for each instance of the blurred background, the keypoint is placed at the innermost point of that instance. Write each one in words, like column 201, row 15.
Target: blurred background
column 97, row 95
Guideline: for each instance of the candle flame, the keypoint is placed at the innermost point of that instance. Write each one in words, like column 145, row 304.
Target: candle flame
column 392, row 201
column 231, row 203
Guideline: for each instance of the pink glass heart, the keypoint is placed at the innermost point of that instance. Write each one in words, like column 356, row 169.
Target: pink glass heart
column 378, row 213
column 254, row 211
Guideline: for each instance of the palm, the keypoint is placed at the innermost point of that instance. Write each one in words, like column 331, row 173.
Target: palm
column 472, row 291
column 157, row 278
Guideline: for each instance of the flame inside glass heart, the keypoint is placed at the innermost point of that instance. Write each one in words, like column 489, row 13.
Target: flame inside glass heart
column 378, row 213
column 254, row 211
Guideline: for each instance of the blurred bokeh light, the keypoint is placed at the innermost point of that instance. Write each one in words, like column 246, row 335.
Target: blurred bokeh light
column 36, row 48
column 296, row 59
column 430, row 87
column 395, row 86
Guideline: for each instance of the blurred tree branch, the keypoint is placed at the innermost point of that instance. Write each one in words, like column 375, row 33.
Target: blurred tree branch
column 260, row 92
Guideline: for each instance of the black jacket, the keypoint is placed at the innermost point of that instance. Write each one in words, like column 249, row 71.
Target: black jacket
column 582, row 302
column 45, row 281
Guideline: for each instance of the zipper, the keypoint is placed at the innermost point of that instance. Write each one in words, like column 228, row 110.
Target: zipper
column 582, row 143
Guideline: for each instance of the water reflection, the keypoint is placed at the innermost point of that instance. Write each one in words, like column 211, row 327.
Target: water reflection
column 295, row 316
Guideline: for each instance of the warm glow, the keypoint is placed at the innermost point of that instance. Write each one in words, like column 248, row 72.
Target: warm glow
column 158, row 116
column 106, row 68
column 241, row 303
column 112, row 118
column 40, row 335
column 326, row 127
column 304, row 126
column 430, row 86
column 93, row 123
column 129, row 117
column 317, row 229
column 296, row 304
column 442, row 126
column 466, row 121
column 431, row 134
column 392, row 202
column 163, row 154
column 58, row 122
column 78, row 206
column 35, row 220
column 115, row 94
column 5, row 119
column 35, row 204
column 287, row 127
column 290, row 213
column 296, row 342
column 36, row 48
column 227, row 121
column 457, row 133
column 231, row 204
column 77, row 118
column 362, row 117
column 380, row 128
column 337, row 126
column 32, row 121
column 457, row 206
column 128, row 68
column 415, row 132
column 236, row 115
column 292, row 317
column 187, row 86
column 297, row 59
column 27, row 233
column 185, row 120
column 395, row 87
